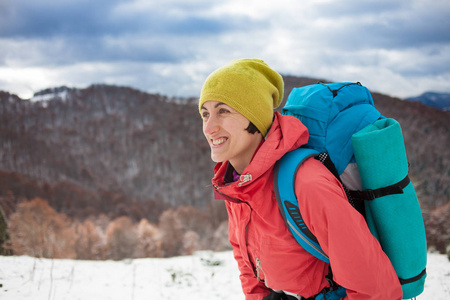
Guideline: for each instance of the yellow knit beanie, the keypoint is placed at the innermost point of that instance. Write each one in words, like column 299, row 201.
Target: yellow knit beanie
column 249, row 86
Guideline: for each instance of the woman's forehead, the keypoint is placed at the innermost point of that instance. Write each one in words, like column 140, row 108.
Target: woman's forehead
column 214, row 104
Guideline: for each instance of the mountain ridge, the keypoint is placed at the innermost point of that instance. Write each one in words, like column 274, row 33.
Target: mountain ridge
column 433, row 99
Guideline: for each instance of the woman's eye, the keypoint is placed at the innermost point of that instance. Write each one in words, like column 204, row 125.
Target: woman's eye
column 205, row 114
column 223, row 111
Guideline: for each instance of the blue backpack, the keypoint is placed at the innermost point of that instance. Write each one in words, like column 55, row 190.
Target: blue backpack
column 366, row 152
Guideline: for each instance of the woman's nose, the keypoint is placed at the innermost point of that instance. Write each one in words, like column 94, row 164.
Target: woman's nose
column 210, row 126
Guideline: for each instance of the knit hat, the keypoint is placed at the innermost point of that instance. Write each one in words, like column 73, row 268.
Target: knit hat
column 249, row 86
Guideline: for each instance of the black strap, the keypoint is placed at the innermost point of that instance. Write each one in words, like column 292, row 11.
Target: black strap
column 393, row 189
column 325, row 159
column 396, row 188
column 334, row 92
column 279, row 296
column 415, row 278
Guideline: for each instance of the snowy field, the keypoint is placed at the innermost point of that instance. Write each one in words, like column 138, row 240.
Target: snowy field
column 205, row 275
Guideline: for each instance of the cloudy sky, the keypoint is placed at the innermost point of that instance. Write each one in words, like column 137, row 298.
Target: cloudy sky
column 400, row 48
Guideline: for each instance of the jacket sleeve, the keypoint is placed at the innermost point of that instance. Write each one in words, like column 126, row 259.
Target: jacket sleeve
column 357, row 260
column 253, row 288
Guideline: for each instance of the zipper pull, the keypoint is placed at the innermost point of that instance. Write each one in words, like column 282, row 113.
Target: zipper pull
column 258, row 268
column 244, row 178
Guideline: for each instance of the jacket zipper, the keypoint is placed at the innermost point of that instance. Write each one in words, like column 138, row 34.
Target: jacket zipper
column 234, row 199
column 258, row 268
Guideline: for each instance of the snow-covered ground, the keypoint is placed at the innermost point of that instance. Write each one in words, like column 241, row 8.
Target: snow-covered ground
column 205, row 275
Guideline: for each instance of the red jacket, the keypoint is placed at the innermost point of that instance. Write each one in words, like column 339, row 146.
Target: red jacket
column 266, row 252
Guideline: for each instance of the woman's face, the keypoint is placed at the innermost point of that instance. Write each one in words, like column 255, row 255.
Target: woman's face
column 224, row 129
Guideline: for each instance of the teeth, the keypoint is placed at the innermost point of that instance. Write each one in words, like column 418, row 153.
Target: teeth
column 219, row 141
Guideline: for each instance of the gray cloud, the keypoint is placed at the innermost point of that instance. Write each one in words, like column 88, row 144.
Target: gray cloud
column 46, row 19
column 172, row 45
column 39, row 19
column 66, row 32
column 384, row 24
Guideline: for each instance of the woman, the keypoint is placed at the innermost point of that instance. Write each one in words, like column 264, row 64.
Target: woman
column 246, row 138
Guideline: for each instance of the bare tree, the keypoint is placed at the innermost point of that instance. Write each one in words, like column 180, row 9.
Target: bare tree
column 190, row 242
column 90, row 241
column 36, row 229
column 171, row 233
column 121, row 238
column 149, row 241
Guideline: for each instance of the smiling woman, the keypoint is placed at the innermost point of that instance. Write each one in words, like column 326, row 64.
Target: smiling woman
column 272, row 264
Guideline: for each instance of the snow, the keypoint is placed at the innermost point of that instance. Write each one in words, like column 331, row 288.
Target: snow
column 61, row 93
column 204, row 275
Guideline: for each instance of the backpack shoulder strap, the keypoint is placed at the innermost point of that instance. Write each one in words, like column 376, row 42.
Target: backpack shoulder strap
column 284, row 179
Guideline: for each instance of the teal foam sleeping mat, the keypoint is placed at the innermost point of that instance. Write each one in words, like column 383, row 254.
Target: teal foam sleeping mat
column 395, row 220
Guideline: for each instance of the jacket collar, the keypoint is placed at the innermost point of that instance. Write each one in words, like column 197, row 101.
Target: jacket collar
column 286, row 134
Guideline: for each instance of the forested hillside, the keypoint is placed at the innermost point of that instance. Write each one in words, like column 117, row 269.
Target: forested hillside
column 111, row 140
column 116, row 151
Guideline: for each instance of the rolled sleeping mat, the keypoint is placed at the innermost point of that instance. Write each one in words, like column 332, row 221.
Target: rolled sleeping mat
column 395, row 219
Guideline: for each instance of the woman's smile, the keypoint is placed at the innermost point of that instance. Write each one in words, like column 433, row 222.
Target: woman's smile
column 218, row 142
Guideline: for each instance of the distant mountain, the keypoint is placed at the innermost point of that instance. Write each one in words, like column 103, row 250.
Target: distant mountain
column 433, row 99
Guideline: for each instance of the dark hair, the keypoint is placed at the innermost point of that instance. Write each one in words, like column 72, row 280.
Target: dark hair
column 252, row 128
